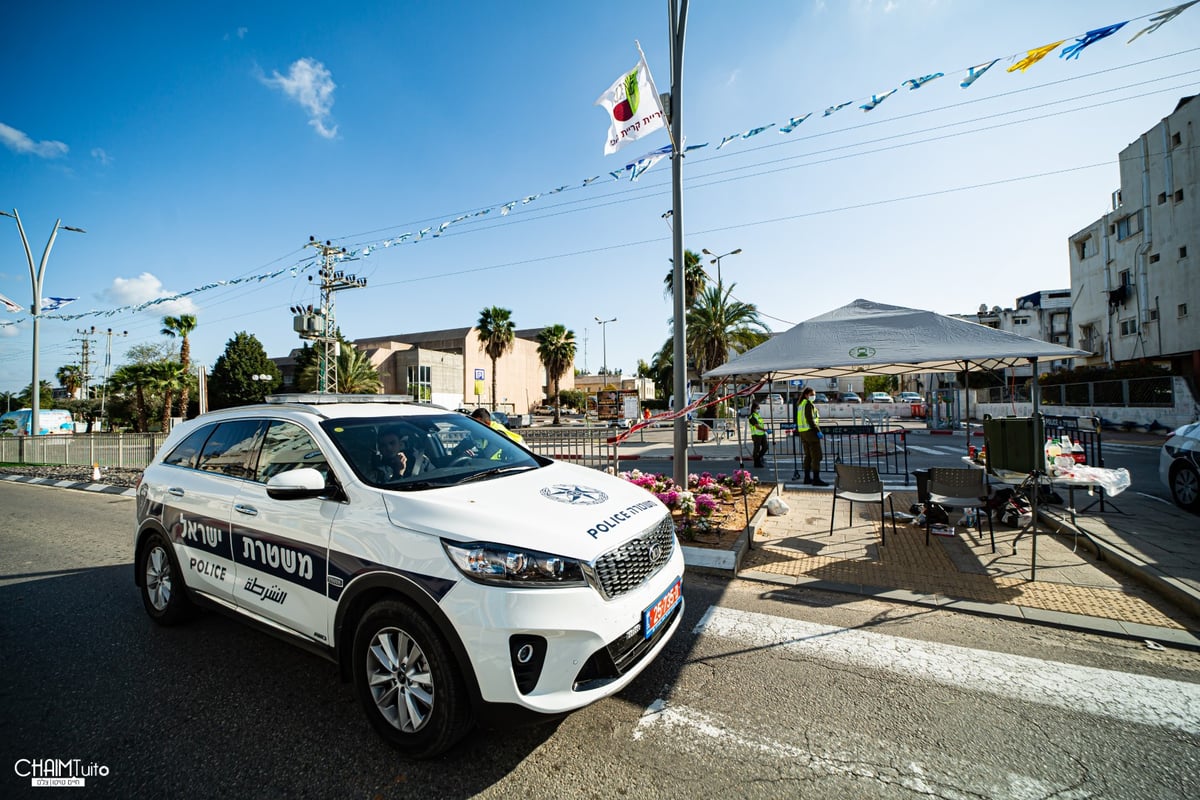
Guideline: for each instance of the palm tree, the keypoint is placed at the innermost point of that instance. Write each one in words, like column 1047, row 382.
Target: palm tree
column 694, row 278
column 181, row 326
column 70, row 377
column 135, row 378
column 167, row 377
column 496, row 335
column 718, row 325
column 661, row 366
column 355, row 375
column 556, row 349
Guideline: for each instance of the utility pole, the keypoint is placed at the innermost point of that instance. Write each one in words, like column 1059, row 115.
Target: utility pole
column 320, row 324
column 85, row 363
column 107, row 367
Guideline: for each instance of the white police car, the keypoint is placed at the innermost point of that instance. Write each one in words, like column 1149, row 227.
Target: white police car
column 1179, row 466
column 468, row 579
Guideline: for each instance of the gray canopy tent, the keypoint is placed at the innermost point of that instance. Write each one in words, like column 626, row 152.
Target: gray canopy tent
column 866, row 337
column 878, row 339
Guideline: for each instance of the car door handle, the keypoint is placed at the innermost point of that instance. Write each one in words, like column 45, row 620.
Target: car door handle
column 175, row 491
column 249, row 511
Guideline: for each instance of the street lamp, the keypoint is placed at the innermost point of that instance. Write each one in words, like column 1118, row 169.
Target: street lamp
column 716, row 259
column 35, row 278
column 604, row 343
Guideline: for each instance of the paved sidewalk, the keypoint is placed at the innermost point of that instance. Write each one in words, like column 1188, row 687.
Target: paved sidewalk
column 1138, row 575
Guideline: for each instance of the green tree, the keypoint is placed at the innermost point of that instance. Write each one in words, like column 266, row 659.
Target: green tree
column 135, row 379
column 556, row 350
column 70, row 377
column 230, row 383
column 167, row 379
column 181, row 326
column 150, row 353
column 9, row 399
column 355, row 375
column 661, row 367
column 45, row 396
column 694, row 278
column 718, row 325
column 496, row 335
column 880, row 383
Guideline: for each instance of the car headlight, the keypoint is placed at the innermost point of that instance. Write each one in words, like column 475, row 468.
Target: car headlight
column 500, row 565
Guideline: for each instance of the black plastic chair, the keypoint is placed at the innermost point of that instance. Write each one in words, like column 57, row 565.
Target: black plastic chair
column 951, row 487
column 861, row 485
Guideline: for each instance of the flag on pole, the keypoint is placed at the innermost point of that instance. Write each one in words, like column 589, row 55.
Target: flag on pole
column 55, row 303
column 633, row 107
column 10, row 305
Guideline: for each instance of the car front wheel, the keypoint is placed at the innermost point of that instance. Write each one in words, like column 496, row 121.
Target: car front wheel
column 408, row 682
column 1185, row 486
column 163, row 592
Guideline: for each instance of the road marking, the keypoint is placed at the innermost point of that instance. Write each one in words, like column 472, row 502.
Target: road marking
column 912, row 775
column 1107, row 693
column 929, row 451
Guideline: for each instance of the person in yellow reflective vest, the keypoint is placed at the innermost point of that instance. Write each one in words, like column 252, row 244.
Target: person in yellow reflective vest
column 808, row 428
column 758, row 435
column 484, row 416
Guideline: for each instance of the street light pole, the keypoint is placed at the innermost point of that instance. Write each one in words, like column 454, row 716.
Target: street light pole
column 604, row 344
column 35, row 278
column 716, row 259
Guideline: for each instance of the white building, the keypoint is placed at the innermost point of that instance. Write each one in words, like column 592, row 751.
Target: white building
column 1134, row 278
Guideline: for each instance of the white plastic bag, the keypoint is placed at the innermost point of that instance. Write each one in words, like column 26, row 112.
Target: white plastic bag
column 776, row 507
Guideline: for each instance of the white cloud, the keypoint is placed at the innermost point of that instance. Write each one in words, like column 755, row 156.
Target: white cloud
column 733, row 77
column 143, row 288
column 239, row 33
column 311, row 85
column 101, row 156
column 19, row 142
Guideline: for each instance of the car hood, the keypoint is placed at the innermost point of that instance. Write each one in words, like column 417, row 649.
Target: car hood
column 562, row 509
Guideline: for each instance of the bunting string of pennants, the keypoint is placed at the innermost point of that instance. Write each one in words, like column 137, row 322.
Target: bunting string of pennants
column 635, row 169
column 52, row 303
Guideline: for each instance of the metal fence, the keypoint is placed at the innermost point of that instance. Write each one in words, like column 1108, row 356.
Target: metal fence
column 1124, row 392
column 591, row 447
column 132, row 450
column 858, row 445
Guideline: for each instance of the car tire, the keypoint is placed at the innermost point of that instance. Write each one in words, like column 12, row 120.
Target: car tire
column 163, row 592
column 408, row 682
column 1185, row 486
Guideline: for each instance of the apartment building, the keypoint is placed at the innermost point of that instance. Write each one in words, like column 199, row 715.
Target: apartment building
column 1134, row 280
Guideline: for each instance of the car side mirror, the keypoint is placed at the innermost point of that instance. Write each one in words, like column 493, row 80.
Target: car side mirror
column 297, row 484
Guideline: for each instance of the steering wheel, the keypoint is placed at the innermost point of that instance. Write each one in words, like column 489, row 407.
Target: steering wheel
column 459, row 461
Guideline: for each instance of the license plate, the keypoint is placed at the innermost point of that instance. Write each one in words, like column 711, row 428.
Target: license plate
column 661, row 608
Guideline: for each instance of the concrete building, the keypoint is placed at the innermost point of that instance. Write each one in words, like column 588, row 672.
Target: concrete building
column 450, row 368
column 590, row 384
column 1134, row 278
column 1043, row 315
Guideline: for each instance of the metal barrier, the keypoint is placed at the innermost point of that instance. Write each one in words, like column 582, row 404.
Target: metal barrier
column 131, row 450
column 591, row 447
column 864, row 446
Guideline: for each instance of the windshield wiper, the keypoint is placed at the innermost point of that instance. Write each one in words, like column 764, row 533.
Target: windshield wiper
column 416, row 486
column 489, row 473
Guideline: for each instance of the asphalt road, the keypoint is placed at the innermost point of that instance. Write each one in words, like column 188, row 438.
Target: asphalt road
column 765, row 692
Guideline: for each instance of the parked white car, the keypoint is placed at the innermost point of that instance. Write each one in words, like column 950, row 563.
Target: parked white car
column 1179, row 466
column 471, row 577
column 879, row 397
column 909, row 397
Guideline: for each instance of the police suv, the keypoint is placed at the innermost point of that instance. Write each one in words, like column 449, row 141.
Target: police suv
column 468, row 578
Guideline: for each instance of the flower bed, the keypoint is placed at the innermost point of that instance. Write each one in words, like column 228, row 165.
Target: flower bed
column 710, row 505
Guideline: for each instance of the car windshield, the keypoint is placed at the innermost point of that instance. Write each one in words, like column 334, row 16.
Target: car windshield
column 411, row 453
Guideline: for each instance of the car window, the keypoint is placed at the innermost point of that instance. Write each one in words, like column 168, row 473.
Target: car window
column 233, row 448
column 287, row 446
column 184, row 454
column 446, row 449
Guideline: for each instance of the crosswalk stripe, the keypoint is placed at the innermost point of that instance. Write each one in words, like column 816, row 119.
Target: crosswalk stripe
column 1108, row 693
column 919, row 777
column 929, row 451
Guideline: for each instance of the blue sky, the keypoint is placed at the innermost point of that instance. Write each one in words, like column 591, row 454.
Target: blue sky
column 205, row 142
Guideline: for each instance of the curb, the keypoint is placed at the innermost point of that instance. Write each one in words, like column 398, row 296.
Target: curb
column 98, row 488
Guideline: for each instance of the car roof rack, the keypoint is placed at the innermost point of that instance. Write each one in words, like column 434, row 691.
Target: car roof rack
column 327, row 398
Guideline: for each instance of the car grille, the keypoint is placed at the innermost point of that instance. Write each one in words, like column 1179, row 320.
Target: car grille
column 627, row 567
